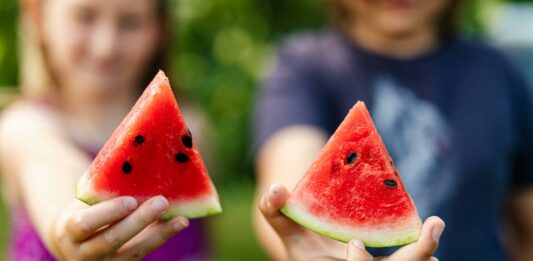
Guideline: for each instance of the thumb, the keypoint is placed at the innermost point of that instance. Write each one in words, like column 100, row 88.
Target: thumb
column 270, row 204
column 429, row 239
column 357, row 252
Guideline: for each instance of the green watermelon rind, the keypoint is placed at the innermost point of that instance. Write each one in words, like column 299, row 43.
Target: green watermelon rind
column 86, row 195
column 195, row 208
column 372, row 237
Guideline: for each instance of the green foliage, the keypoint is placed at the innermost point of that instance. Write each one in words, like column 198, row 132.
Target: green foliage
column 232, row 231
column 4, row 230
column 8, row 39
column 223, row 49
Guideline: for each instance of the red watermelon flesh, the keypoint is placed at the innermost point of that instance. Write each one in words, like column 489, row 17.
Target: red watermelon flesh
column 353, row 189
column 152, row 153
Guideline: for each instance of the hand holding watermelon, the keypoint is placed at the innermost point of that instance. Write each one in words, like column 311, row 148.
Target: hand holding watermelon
column 351, row 193
column 114, row 229
column 303, row 244
column 151, row 153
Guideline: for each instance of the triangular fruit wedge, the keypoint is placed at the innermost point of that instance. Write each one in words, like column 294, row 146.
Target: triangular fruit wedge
column 151, row 153
column 353, row 190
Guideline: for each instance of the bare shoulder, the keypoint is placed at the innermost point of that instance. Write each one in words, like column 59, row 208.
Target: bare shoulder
column 23, row 118
column 23, row 123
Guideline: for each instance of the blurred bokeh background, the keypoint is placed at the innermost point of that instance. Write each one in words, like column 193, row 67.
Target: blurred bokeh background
column 221, row 48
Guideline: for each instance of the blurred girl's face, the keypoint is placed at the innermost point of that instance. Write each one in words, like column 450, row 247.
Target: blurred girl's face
column 396, row 17
column 98, row 46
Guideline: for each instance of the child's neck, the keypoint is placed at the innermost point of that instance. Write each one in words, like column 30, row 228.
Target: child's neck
column 402, row 47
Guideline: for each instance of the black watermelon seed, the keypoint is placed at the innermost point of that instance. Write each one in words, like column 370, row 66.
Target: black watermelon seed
column 390, row 162
column 181, row 157
column 187, row 140
column 126, row 167
column 390, row 183
column 139, row 139
column 352, row 157
column 396, row 173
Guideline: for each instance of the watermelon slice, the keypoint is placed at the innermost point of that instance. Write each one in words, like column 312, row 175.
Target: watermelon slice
column 152, row 153
column 353, row 189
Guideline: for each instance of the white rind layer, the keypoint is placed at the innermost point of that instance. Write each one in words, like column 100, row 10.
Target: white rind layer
column 400, row 233
column 193, row 208
column 197, row 208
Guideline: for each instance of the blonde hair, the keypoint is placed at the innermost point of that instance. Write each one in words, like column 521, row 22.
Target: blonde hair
column 35, row 78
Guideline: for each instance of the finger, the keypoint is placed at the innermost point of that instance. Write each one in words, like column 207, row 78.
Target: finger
column 429, row 239
column 111, row 239
column 357, row 252
column 84, row 222
column 151, row 238
column 428, row 242
column 270, row 204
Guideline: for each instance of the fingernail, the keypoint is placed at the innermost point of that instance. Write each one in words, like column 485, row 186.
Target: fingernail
column 129, row 203
column 436, row 233
column 358, row 243
column 273, row 189
column 159, row 204
column 181, row 224
column 433, row 259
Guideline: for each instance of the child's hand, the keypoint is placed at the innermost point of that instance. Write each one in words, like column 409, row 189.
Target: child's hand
column 303, row 244
column 116, row 229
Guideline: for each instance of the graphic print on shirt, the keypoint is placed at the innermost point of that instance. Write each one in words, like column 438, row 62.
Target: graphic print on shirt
column 418, row 139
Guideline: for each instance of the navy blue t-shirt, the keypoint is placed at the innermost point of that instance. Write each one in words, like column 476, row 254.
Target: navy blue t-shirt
column 458, row 122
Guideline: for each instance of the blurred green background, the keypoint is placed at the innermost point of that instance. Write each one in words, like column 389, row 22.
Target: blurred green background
column 222, row 47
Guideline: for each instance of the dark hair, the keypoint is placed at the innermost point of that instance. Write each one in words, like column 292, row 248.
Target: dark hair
column 447, row 26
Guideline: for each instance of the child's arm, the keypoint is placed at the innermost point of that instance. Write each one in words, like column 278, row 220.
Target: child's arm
column 44, row 167
column 283, row 159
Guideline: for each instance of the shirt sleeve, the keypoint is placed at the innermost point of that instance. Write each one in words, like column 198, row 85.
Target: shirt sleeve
column 522, row 95
column 291, row 94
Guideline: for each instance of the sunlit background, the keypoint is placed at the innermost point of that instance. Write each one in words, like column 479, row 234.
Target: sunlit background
column 221, row 48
